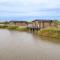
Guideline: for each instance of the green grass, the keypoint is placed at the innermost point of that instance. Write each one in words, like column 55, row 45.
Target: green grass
column 14, row 28
column 50, row 32
column 17, row 28
column 3, row 26
column 22, row 28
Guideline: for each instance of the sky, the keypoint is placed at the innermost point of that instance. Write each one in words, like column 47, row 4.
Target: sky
column 29, row 9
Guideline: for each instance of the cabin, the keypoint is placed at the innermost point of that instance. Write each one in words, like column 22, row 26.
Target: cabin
column 18, row 23
column 42, row 23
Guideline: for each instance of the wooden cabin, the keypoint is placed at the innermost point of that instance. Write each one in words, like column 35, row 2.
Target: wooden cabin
column 43, row 23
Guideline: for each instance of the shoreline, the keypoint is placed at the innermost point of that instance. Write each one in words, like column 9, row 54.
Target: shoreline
column 48, row 32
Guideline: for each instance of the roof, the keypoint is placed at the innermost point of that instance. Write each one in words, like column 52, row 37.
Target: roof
column 19, row 21
column 42, row 20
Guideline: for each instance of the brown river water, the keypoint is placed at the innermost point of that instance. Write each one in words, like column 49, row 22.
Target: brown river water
column 16, row 45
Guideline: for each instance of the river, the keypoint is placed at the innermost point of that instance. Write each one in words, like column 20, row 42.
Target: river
column 16, row 45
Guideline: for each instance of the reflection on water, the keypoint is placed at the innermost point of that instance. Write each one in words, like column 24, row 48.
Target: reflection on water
column 49, row 39
column 16, row 45
column 53, row 40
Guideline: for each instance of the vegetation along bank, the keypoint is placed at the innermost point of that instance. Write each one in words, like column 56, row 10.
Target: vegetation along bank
column 50, row 32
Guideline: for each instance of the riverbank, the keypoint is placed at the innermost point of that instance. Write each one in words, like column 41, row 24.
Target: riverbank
column 50, row 32
column 18, row 28
column 47, row 32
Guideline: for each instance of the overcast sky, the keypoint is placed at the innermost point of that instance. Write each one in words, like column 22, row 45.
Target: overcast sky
column 29, row 9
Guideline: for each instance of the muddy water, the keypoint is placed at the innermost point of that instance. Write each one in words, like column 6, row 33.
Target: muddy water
column 16, row 45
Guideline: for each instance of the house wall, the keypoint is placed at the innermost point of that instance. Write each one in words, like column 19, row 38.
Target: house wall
column 43, row 24
column 21, row 24
column 36, row 23
column 53, row 24
column 29, row 25
column 47, row 24
column 33, row 24
column 39, row 24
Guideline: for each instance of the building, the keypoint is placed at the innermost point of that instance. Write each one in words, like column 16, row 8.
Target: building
column 19, row 23
column 29, row 24
column 43, row 23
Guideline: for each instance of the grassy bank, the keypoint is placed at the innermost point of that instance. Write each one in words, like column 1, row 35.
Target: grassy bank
column 14, row 28
column 17, row 28
column 22, row 29
column 50, row 32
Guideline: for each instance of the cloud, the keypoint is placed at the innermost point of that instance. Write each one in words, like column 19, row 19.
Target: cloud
column 29, row 8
